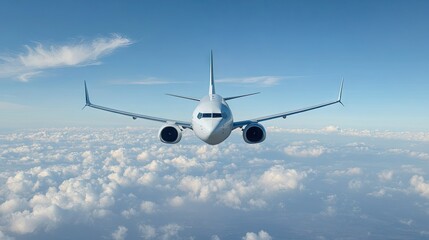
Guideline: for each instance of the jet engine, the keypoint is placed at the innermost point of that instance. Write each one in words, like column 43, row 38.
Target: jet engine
column 170, row 134
column 254, row 133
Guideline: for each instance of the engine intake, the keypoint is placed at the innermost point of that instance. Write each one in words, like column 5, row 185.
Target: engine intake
column 170, row 134
column 254, row 133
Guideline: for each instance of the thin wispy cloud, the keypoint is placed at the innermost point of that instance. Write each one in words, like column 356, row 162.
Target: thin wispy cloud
column 149, row 81
column 258, row 80
column 39, row 58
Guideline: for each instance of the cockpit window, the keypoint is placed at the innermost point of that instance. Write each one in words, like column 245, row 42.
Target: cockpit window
column 209, row 115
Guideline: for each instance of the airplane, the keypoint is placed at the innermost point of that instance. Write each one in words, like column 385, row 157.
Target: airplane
column 212, row 120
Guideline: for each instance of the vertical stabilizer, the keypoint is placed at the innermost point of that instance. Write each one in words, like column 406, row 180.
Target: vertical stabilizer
column 212, row 87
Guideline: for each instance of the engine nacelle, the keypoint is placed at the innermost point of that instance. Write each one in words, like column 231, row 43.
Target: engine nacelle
column 254, row 133
column 170, row 134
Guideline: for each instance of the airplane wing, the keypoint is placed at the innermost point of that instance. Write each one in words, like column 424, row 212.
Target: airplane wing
column 134, row 115
column 285, row 114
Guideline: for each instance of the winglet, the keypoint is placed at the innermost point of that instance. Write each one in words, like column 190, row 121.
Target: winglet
column 341, row 92
column 211, row 88
column 87, row 101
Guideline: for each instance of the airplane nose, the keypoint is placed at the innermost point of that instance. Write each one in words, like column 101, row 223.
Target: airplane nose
column 212, row 127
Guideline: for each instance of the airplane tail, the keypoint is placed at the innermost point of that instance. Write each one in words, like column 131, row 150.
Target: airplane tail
column 212, row 87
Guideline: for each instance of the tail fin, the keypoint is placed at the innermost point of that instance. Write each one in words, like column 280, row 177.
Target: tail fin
column 212, row 87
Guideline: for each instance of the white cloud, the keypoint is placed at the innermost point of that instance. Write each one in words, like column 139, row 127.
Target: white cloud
column 348, row 172
column 259, row 80
column 405, row 135
column 12, row 205
column 176, row 201
column 214, row 237
column 211, row 152
column 45, row 217
column 79, row 176
column 231, row 198
column 147, row 231
column 120, row 233
column 129, row 213
column 419, row 185
column 261, row 235
column 183, row 163
column 40, row 58
column 119, row 155
column 277, row 178
column 259, row 203
column 358, row 146
column 87, row 157
column 166, row 232
column 330, row 209
column 303, row 151
column 379, row 193
column 331, row 129
column 143, row 156
column 414, row 154
column 385, row 175
column 148, row 207
column 147, row 179
column 310, row 148
column 19, row 183
column 199, row 188
column 152, row 166
column 169, row 231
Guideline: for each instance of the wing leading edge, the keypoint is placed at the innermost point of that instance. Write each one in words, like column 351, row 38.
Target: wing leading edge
column 134, row 115
column 285, row 114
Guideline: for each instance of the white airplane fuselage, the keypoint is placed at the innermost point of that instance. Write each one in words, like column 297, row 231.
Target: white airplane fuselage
column 212, row 120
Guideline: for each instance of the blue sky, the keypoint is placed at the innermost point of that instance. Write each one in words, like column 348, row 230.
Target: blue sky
column 306, row 47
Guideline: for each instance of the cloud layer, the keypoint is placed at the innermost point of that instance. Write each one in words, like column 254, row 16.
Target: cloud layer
column 125, row 184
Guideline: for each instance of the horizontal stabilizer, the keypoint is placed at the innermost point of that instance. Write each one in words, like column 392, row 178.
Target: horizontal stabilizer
column 245, row 95
column 178, row 96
